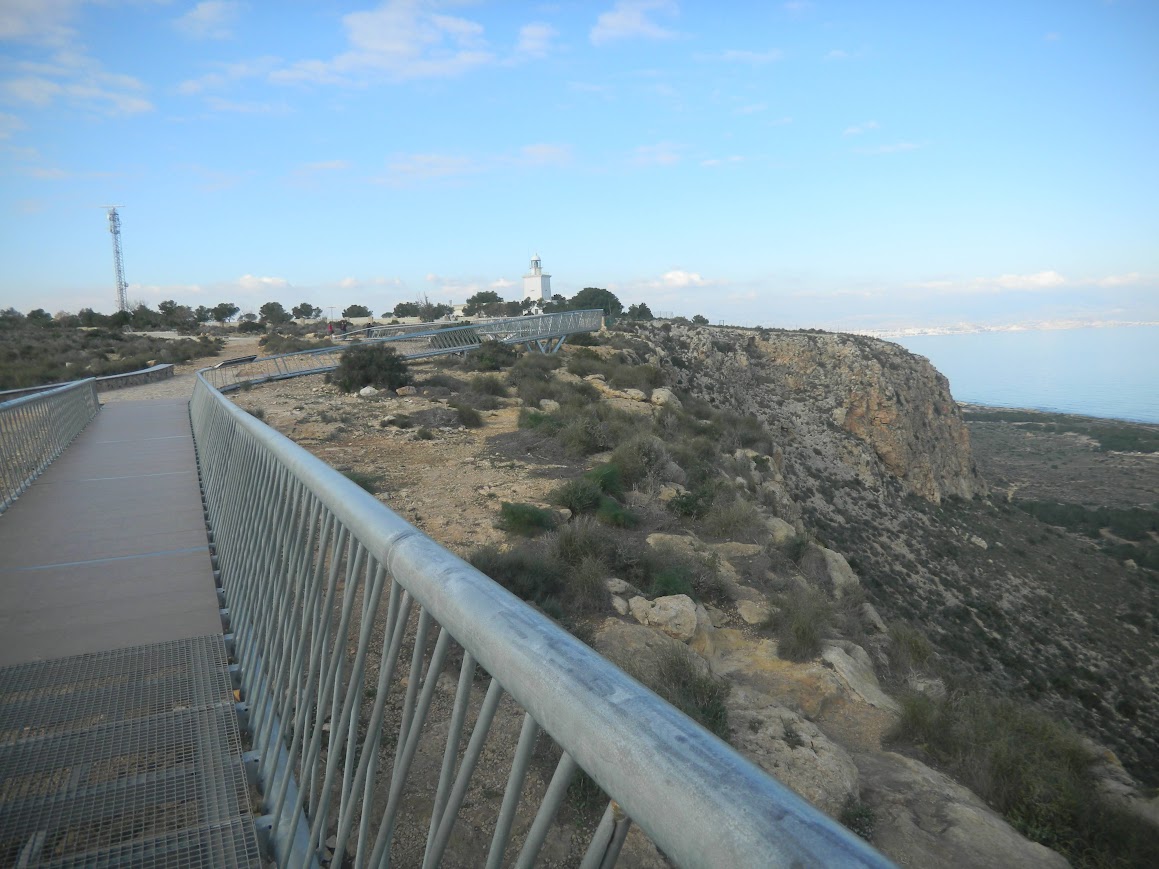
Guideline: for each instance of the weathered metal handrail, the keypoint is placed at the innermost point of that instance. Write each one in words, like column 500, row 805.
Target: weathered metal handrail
column 420, row 342
column 35, row 429
column 308, row 560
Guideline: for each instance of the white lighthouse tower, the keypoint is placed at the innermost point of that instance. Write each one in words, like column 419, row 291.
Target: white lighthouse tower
column 536, row 285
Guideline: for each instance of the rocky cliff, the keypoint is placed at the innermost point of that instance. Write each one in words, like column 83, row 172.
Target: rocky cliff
column 896, row 405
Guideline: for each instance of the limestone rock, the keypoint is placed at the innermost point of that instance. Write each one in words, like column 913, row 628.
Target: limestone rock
column 368, row 392
column 782, row 532
column 565, row 376
column 792, row 749
column 674, row 614
column 731, row 549
column 619, row 605
column 829, row 569
column 615, row 585
column 856, row 671
column 871, row 619
column 979, row 542
column 925, row 819
column 548, row 405
column 406, row 390
column 636, row 649
column 635, row 394
column 664, row 396
column 752, row 612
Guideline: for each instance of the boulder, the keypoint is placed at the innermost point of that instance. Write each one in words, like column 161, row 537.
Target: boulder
column 565, row 376
column 635, row 394
column 368, row 392
column 924, row 818
column 548, row 405
column 615, row 585
column 637, row 649
column 872, row 620
column 829, row 570
column 791, row 749
column 619, row 605
column 663, row 396
column 780, row 530
column 856, row 671
column 674, row 614
column 406, row 390
column 752, row 612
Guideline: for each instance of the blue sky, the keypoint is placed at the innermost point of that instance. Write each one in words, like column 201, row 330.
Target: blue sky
column 857, row 165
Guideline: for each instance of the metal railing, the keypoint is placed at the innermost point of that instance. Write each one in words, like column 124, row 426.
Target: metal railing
column 35, row 429
column 414, row 342
column 340, row 693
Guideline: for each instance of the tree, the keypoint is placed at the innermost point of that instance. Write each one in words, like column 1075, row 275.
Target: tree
column 306, row 311
column 357, row 311
column 249, row 317
column 594, row 297
column 480, row 302
column 144, row 317
column 700, row 320
column 640, row 312
column 273, row 313
column 39, row 317
column 406, row 309
column 222, row 311
column 203, row 314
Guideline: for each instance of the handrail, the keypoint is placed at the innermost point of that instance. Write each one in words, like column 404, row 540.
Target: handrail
column 35, row 429
column 422, row 341
column 306, row 558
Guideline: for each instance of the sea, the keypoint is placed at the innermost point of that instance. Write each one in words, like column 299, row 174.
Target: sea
column 1109, row 371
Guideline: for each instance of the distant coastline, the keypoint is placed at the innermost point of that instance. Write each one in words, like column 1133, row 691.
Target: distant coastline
column 979, row 328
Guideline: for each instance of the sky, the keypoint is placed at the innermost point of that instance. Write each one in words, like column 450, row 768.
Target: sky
column 841, row 165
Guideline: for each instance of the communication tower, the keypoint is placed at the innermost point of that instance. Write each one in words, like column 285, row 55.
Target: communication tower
column 118, row 260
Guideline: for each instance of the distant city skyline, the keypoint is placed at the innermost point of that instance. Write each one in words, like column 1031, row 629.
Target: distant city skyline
column 843, row 165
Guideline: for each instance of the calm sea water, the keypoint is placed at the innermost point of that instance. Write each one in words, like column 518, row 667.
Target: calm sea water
column 1108, row 372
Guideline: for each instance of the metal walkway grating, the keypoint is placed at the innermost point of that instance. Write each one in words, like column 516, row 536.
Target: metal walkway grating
column 124, row 758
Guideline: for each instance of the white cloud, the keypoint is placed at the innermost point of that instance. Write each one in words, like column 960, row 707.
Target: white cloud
column 756, row 58
column 405, row 169
column 892, row 148
column 545, row 155
column 796, row 6
column 228, row 73
column 722, row 161
column 501, row 284
column 40, row 21
column 9, row 124
column 678, row 278
column 244, row 107
column 1053, row 36
column 535, row 40
column 326, row 166
column 755, row 108
column 858, row 129
column 837, row 54
column 630, row 19
column 1037, row 281
column 252, row 282
column 661, row 154
column 1120, row 280
column 402, row 39
column 212, row 19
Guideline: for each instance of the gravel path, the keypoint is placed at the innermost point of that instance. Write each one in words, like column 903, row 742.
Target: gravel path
column 184, row 375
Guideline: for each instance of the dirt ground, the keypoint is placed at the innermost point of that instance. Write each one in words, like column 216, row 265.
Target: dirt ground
column 1017, row 462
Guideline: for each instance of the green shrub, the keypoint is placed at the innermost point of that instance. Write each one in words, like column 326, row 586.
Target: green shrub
column 697, row 695
column 425, row 434
column 584, row 363
column 694, row 504
column 525, row 519
column 1032, row 769
column 370, row 365
column 536, row 420
column 585, row 589
column 908, row 648
column 446, row 381
column 858, row 817
column 802, row 624
column 638, row 457
column 579, row 540
column 276, row 344
column 530, row 572
column 369, row 482
column 468, row 416
column 735, row 518
column 490, row 356
column 612, row 512
column 579, row 496
column 608, row 478
column 488, row 384
column 250, row 326
column 675, row 579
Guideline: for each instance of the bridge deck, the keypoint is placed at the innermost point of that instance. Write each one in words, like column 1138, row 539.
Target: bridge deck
column 118, row 738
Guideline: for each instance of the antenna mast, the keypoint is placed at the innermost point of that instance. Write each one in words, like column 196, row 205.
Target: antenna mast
column 118, row 260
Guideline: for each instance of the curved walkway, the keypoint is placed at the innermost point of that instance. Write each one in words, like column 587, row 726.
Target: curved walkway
column 118, row 736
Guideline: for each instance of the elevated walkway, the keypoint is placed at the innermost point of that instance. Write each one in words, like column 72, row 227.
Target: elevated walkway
column 118, row 737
